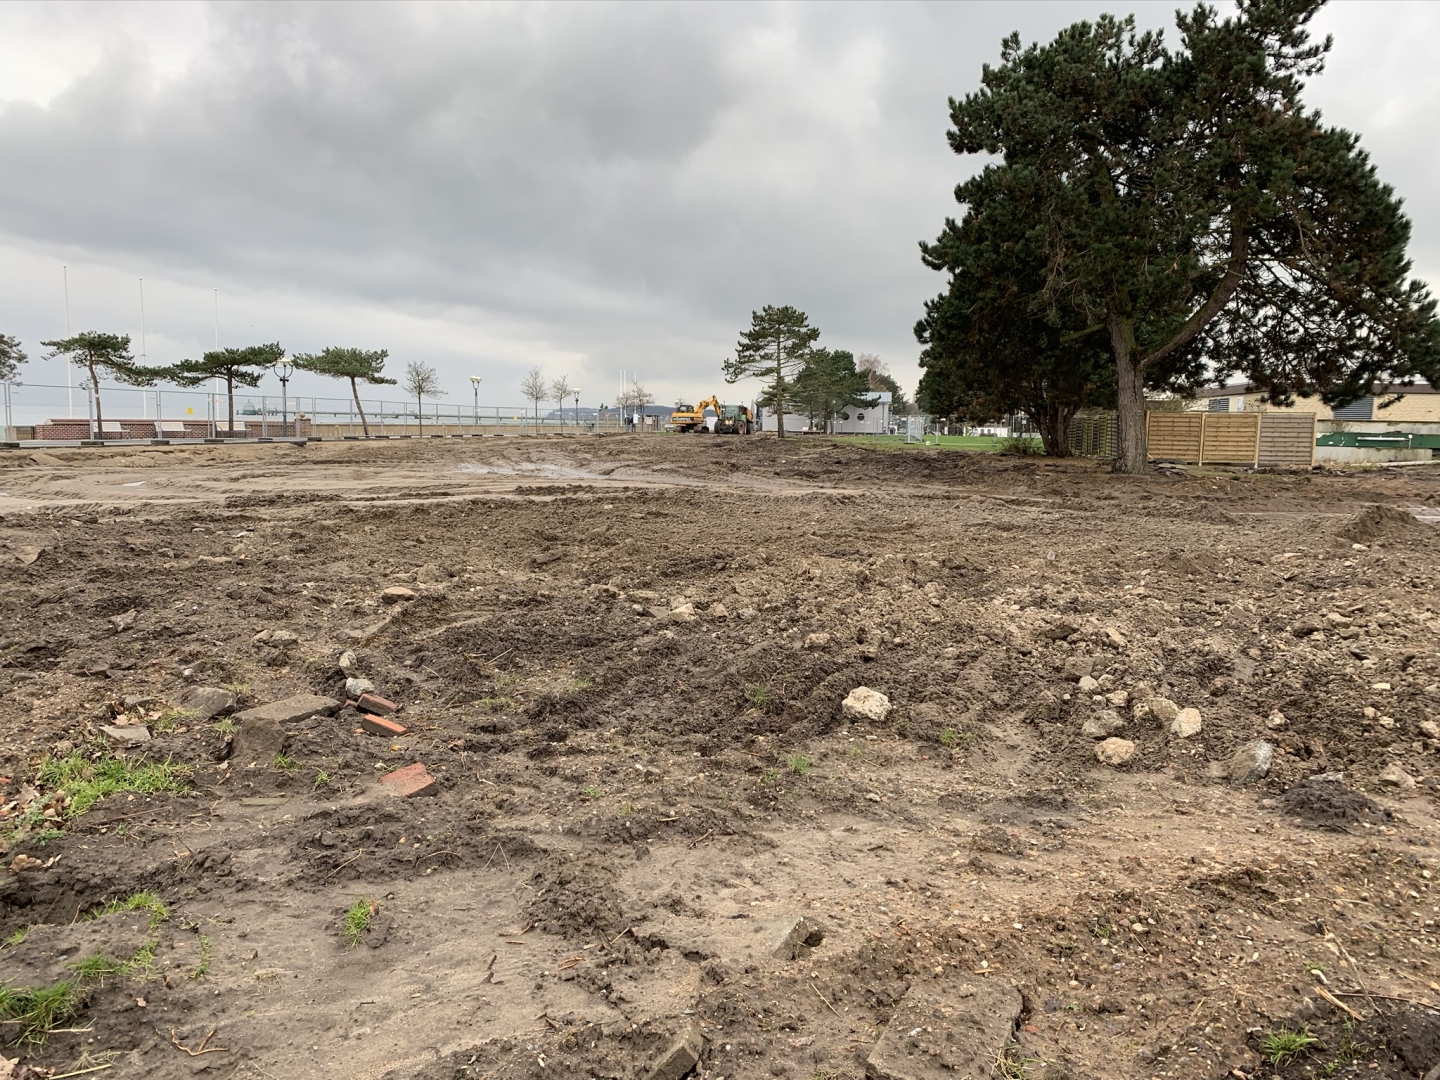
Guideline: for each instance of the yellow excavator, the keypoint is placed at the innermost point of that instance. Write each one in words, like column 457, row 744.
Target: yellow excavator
column 728, row 419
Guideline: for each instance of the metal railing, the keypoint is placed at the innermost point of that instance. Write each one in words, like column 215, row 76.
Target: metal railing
column 39, row 411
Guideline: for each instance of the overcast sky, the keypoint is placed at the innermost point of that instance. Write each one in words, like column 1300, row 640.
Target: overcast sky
column 586, row 187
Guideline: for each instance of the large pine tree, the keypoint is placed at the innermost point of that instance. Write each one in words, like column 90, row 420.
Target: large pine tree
column 1193, row 211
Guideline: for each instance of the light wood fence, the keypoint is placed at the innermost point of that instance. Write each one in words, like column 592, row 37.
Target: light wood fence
column 1248, row 438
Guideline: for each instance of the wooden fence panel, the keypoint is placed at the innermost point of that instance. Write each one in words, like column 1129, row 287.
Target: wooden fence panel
column 1174, row 436
column 1230, row 438
column 1287, row 438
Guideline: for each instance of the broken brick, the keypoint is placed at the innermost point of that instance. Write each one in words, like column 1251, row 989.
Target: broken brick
column 376, row 705
column 410, row 781
column 378, row 725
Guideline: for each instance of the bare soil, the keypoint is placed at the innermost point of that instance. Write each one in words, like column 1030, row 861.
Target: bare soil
column 638, row 801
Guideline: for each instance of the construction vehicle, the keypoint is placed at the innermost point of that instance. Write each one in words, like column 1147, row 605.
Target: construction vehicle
column 724, row 419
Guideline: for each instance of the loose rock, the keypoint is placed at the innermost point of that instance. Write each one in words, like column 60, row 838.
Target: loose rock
column 207, row 702
column 1396, row 777
column 819, row 640
column 1103, row 724
column 356, row 688
column 1163, row 709
column 1251, row 762
column 396, row 594
column 1088, row 685
column 682, row 1055
column 1078, row 667
column 127, row 735
column 1114, row 752
column 1186, row 723
column 347, row 662
column 862, row 703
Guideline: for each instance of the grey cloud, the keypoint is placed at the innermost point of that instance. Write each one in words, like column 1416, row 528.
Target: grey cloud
column 623, row 182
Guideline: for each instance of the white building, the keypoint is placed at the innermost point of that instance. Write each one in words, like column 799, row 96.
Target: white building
column 868, row 420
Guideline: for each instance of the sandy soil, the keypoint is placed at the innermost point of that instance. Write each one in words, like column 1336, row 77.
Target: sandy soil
column 654, row 830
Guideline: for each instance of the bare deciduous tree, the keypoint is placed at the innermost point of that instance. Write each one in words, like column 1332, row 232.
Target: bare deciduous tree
column 561, row 389
column 534, row 389
column 421, row 381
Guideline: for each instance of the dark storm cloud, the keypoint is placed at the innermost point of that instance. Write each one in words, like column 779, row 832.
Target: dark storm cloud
column 617, row 181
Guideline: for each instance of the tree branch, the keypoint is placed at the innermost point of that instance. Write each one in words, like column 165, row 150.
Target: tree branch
column 1234, row 274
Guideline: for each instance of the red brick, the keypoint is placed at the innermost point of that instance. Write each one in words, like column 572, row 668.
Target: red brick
column 376, row 705
column 410, row 781
column 378, row 725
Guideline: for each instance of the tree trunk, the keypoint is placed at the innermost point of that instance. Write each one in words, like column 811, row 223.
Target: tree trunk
column 99, row 432
column 1130, row 455
column 355, row 392
column 779, row 402
column 230, row 404
column 420, row 413
column 1053, row 422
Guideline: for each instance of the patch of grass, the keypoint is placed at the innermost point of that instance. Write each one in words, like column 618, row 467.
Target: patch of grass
column 321, row 778
column 99, row 966
column 357, row 920
column 1281, row 1047
column 590, row 791
column 284, row 762
column 169, row 720
column 140, row 901
column 948, row 737
column 203, row 968
column 86, row 782
column 1103, row 931
column 236, row 688
column 582, row 682
column 769, row 776
column 496, row 704
column 627, row 809
column 18, row 936
column 45, row 836
column 225, row 726
column 38, row 1012
column 143, row 962
column 758, row 695
column 799, row 764
column 1010, row 1066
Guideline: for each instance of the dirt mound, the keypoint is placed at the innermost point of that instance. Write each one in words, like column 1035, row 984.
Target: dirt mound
column 1327, row 802
column 1380, row 522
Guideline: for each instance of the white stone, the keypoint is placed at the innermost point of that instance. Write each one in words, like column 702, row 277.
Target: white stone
column 355, row 687
column 1430, row 729
column 862, row 703
column 1114, row 751
column 683, row 613
column 396, row 593
column 1186, row 723
column 1088, row 685
column 346, row 662
column 817, row 640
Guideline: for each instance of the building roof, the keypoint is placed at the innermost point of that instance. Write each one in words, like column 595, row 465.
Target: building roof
column 1240, row 389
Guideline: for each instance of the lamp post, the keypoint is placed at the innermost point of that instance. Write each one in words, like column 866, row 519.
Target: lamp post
column 576, row 392
column 475, row 418
column 283, row 371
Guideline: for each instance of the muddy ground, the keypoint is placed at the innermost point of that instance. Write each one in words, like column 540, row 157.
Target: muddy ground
column 653, row 833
